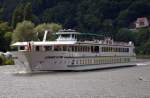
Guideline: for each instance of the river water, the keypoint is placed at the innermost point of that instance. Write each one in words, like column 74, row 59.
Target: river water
column 127, row 82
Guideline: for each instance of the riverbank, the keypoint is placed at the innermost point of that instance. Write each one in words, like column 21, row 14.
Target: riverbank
column 143, row 56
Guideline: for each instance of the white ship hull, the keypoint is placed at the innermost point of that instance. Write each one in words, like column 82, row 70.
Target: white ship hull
column 46, row 61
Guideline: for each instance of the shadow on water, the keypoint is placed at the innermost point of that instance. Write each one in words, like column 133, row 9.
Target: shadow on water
column 73, row 72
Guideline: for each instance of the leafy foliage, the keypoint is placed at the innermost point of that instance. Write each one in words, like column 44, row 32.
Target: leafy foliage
column 142, row 41
column 107, row 17
column 4, row 36
column 6, row 61
column 17, row 15
column 1, row 60
column 27, row 14
column 51, row 27
column 1, row 12
column 24, row 31
column 125, row 35
column 84, row 15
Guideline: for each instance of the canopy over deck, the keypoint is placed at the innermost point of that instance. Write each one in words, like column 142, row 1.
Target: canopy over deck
column 47, row 43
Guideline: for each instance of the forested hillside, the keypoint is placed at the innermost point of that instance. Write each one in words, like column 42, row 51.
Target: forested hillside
column 108, row 17
column 86, row 15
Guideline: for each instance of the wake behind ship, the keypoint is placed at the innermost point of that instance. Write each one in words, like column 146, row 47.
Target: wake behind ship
column 71, row 52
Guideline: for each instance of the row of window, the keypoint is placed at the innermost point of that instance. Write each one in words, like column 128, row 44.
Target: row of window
column 68, row 48
column 100, row 61
column 94, row 49
column 114, row 49
column 94, row 61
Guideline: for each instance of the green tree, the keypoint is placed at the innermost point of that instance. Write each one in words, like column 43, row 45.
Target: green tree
column 122, row 19
column 17, row 15
column 8, row 39
column 146, row 48
column 5, row 27
column 27, row 13
column 1, row 13
column 142, row 41
column 108, row 27
column 63, row 13
column 4, row 39
column 125, row 35
column 52, row 27
column 1, row 59
column 143, row 35
column 24, row 31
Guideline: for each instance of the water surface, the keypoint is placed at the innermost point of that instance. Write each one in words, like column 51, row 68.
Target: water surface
column 127, row 82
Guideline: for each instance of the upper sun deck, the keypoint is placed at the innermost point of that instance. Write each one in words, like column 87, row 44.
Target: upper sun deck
column 71, row 37
column 107, row 41
column 68, row 40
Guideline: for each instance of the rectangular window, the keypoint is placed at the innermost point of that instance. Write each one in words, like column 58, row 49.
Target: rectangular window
column 57, row 48
column 96, row 49
column 72, row 48
column 92, row 49
column 127, row 49
column 64, row 48
column 37, row 48
column 22, row 47
column 48, row 48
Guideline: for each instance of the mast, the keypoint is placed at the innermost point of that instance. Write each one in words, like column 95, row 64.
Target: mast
column 45, row 35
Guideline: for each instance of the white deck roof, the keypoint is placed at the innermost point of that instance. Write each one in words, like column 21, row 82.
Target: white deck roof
column 49, row 43
column 67, row 31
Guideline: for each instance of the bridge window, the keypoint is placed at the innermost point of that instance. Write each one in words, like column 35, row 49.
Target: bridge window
column 22, row 47
column 65, row 35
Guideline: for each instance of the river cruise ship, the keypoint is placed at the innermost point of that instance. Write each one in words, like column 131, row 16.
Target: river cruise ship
column 68, row 52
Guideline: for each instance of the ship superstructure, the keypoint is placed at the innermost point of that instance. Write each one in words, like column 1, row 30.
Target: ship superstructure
column 67, row 52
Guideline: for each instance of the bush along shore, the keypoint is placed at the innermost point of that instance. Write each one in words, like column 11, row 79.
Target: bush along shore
column 6, row 61
column 143, row 56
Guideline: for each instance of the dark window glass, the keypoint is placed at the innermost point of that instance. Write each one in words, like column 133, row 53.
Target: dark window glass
column 96, row 49
column 22, row 47
column 48, row 48
column 37, row 48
